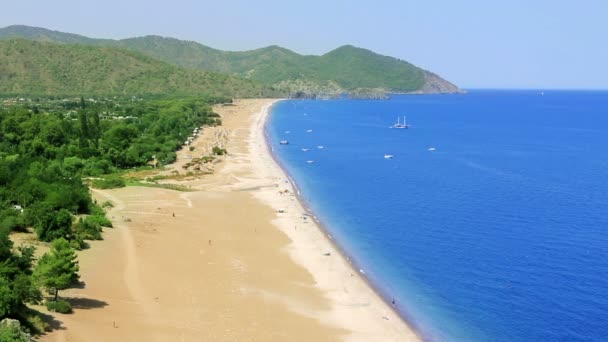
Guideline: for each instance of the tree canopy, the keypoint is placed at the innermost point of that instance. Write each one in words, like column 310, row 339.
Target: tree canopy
column 45, row 153
column 16, row 286
column 58, row 269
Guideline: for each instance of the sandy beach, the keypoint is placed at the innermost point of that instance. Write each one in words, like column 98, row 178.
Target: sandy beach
column 232, row 260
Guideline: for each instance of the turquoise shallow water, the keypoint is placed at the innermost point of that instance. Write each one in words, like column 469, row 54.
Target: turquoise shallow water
column 499, row 234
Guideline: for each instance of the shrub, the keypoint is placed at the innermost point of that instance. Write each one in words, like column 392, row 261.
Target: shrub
column 98, row 215
column 95, row 209
column 191, row 148
column 78, row 243
column 99, row 220
column 218, row 151
column 107, row 204
column 61, row 306
column 73, row 165
column 97, row 167
column 87, row 230
column 170, row 157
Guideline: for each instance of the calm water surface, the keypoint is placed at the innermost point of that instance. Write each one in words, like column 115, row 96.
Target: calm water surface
column 499, row 234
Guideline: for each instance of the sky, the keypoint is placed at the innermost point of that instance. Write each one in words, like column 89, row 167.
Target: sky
column 537, row 44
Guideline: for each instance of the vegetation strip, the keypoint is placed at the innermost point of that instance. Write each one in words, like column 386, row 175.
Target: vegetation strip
column 51, row 149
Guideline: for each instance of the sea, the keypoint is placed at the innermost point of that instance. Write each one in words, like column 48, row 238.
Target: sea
column 489, row 222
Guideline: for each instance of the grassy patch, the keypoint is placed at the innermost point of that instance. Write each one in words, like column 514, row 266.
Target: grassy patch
column 175, row 187
column 111, row 182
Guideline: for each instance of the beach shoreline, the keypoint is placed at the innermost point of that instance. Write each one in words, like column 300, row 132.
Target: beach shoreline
column 383, row 306
column 229, row 260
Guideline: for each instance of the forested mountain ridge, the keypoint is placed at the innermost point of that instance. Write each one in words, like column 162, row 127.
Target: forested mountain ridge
column 40, row 68
column 344, row 69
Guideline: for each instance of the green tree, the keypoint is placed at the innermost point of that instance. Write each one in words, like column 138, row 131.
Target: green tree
column 73, row 165
column 58, row 269
column 120, row 136
column 84, row 129
column 50, row 224
column 95, row 128
column 52, row 133
column 16, row 286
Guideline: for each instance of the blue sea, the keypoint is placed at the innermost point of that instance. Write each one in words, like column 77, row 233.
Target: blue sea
column 498, row 234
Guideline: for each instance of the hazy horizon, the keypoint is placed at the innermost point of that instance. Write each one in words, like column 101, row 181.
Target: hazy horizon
column 474, row 44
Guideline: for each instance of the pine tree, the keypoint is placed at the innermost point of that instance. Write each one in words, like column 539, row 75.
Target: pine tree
column 58, row 269
column 95, row 128
column 84, row 129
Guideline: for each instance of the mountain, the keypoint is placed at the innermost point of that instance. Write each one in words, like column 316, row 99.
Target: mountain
column 44, row 35
column 31, row 67
column 344, row 69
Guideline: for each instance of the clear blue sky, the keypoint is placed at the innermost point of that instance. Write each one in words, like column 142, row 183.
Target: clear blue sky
column 473, row 43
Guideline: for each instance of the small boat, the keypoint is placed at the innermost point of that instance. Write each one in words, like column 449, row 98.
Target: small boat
column 432, row 149
column 287, row 132
column 309, row 131
column 320, row 146
column 310, row 161
column 388, row 156
column 401, row 125
column 305, row 149
column 284, row 142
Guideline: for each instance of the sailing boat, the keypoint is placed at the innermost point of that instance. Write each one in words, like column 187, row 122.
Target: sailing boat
column 401, row 125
